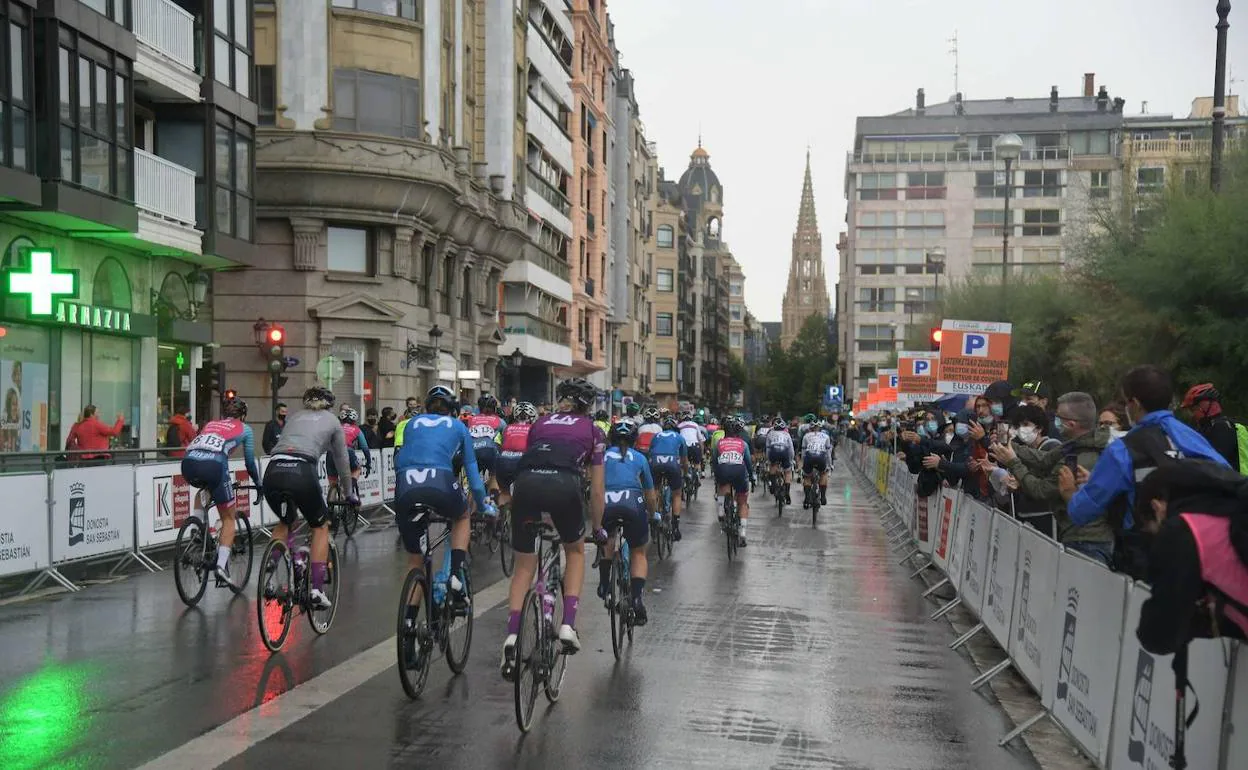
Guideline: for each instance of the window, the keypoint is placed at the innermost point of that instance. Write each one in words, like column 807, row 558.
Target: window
column 876, row 300
column 1191, row 179
column 465, row 294
column 877, row 224
column 736, row 287
column 1042, row 222
column 734, row 311
column 663, row 324
column 404, row 9
column 989, row 222
column 866, row 371
column 876, row 261
column 925, row 185
column 1042, row 257
column 1100, row 185
column 877, row 187
column 374, row 103
column 234, row 143
column 876, row 337
column 663, row 369
column 990, row 184
column 348, row 249
column 926, row 224
column 427, row 261
column 986, row 262
column 664, row 279
column 16, row 148
column 1089, row 142
column 231, row 52
column 266, row 94
column 1042, row 184
column 735, row 340
column 666, row 236
column 94, row 95
column 448, row 285
column 1150, row 180
column 112, row 9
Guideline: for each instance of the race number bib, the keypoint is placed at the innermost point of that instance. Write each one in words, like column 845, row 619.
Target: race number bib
column 481, row 431
column 208, row 442
column 731, row 458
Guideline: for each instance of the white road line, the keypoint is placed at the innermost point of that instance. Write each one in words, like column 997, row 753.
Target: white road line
column 220, row 745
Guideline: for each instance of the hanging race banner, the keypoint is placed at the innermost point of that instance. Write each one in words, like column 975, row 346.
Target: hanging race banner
column 973, row 355
column 998, row 604
column 917, row 372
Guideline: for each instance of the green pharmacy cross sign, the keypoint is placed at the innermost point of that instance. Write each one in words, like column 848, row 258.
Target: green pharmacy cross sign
column 42, row 281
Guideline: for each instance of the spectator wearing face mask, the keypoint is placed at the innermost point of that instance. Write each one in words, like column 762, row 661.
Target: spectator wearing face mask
column 1030, row 459
column 1113, row 419
column 950, row 454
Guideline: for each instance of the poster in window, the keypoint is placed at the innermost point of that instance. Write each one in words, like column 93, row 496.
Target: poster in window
column 24, row 411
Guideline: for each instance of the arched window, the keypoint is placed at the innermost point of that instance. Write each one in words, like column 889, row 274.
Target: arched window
column 666, row 236
column 175, row 295
column 712, row 227
column 111, row 286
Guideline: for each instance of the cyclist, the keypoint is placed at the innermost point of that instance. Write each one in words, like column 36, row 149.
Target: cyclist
column 292, row 474
column 486, row 430
column 602, row 421
column 730, row 460
column 408, row 414
column 632, row 414
column 354, row 437
column 808, row 423
column 515, row 441
column 207, row 466
column 691, row 432
column 627, row 477
column 816, row 459
column 562, row 447
column 648, row 430
column 760, row 443
column 669, row 458
column 780, row 453
column 427, row 469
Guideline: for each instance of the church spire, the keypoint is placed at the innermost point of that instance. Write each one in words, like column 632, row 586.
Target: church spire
column 807, row 293
column 807, row 224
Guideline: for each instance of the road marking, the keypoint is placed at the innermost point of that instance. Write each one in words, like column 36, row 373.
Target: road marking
column 223, row 743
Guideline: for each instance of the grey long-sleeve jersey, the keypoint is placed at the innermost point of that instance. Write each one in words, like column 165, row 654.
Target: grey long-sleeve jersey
column 311, row 433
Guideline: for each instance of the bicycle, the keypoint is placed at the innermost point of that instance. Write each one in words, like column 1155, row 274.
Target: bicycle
column 285, row 586
column 661, row 525
column 342, row 514
column 779, row 491
column 812, row 497
column 693, row 480
column 619, row 600
column 732, row 522
column 196, row 549
column 540, row 659
column 505, row 552
column 416, row 638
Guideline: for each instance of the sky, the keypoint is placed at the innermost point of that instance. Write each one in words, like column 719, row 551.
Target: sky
column 761, row 81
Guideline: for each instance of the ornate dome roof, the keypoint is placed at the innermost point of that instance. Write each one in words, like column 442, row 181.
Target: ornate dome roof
column 699, row 179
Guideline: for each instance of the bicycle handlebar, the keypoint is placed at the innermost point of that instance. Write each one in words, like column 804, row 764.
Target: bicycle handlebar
column 245, row 487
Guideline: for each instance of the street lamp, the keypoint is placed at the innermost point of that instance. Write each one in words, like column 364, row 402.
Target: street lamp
column 435, row 336
column 936, row 262
column 1219, row 98
column 1007, row 147
column 913, row 295
column 517, row 358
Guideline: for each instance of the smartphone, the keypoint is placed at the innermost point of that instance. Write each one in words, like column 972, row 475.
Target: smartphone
column 1072, row 462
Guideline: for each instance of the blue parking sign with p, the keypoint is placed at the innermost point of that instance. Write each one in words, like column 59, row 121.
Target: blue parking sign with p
column 922, row 367
column 975, row 345
column 834, row 392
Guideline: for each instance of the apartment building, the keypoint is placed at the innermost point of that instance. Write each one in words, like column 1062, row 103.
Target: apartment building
column 633, row 170
column 926, row 197
column 738, row 313
column 670, row 294
column 1161, row 150
column 126, row 145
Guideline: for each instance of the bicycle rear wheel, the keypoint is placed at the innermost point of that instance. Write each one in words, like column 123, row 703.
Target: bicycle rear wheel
column 458, row 625
column 615, row 607
column 412, row 638
column 191, row 557
column 624, row 576
column 275, row 595
column 321, row 620
column 351, row 515
column 505, row 552
column 529, row 663
column 241, row 554
column 556, row 658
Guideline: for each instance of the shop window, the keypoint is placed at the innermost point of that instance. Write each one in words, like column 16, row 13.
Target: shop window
column 26, row 380
column 110, row 380
column 175, row 295
column 111, row 286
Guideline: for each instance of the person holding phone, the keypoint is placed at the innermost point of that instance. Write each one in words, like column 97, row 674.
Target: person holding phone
column 1075, row 423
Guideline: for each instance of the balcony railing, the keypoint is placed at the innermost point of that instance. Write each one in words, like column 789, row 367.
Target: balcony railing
column 526, row 323
column 591, row 222
column 955, row 156
column 550, row 264
column 167, row 28
column 589, row 286
column 164, row 188
column 1171, row 146
column 548, row 193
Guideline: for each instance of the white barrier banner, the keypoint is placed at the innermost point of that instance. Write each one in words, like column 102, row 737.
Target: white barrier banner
column 163, row 500
column 388, row 479
column 961, row 536
column 370, row 488
column 1237, row 744
column 243, row 498
column 1091, row 602
column 942, row 543
column 926, row 511
column 1144, row 713
column 24, row 528
column 1034, row 611
column 267, row 517
column 975, row 558
column 998, row 607
column 92, row 512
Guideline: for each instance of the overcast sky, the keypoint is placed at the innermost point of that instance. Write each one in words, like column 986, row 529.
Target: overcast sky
column 764, row 79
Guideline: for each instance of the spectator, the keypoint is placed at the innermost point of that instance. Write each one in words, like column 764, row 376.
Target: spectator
column 1205, row 405
column 1111, row 487
column 273, row 430
column 386, row 426
column 951, row 456
column 1030, row 460
column 1113, row 418
column 369, row 429
column 181, row 431
column 90, row 436
column 1035, row 393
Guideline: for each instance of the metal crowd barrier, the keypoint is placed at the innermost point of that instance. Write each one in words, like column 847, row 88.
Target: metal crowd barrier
column 71, row 513
column 1067, row 625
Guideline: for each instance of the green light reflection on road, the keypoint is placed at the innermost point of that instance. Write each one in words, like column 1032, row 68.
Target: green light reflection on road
column 42, row 716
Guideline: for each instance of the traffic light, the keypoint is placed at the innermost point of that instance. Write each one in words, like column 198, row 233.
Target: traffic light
column 216, row 379
column 275, row 340
column 934, row 335
column 229, row 395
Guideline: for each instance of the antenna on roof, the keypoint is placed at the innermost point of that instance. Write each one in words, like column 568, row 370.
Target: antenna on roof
column 953, row 49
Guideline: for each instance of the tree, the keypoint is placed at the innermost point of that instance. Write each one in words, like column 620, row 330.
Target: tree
column 793, row 380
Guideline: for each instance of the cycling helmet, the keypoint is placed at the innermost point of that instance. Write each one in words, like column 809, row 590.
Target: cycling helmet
column 348, row 415
column 809, row 419
column 651, row 414
column 779, row 424
column 733, row 425
column 601, row 416
column 686, row 416
column 524, row 412
column 623, row 434
column 578, row 391
column 669, row 422
column 234, row 407
column 318, row 397
column 632, row 409
column 443, row 394
column 1203, row 392
column 487, row 403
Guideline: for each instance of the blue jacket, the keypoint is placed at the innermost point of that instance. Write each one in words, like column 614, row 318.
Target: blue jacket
column 626, row 471
column 668, row 443
column 439, row 441
column 1114, row 475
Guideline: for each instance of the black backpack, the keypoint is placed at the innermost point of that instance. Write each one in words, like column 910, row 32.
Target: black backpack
column 1203, row 486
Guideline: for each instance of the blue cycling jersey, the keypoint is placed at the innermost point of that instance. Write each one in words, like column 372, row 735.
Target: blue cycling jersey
column 626, row 470
column 668, row 443
column 437, row 441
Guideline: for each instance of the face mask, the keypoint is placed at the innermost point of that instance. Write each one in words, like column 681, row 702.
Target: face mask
column 961, row 429
column 998, row 409
column 1059, row 426
column 931, row 427
column 1130, row 417
column 985, row 421
column 1027, row 434
column 1115, row 434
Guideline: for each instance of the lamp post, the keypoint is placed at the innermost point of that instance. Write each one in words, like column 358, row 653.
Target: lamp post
column 435, row 337
column 517, row 360
column 936, row 261
column 1007, row 147
column 1219, row 98
column 912, row 295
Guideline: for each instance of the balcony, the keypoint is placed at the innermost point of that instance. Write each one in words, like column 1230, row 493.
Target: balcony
column 538, row 268
column 538, row 338
column 165, row 64
column 592, row 223
column 1062, row 154
column 547, row 203
column 164, row 193
column 555, row 74
column 589, row 287
column 553, row 136
column 1172, row 148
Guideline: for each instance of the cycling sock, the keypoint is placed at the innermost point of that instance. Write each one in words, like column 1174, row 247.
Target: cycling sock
column 320, row 572
column 675, row 520
column 458, row 558
column 639, row 587
column 604, row 571
column 223, row 556
column 569, row 610
column 513, row 622
column 412, row 614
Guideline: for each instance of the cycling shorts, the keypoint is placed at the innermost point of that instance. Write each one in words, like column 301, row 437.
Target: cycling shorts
column 667, row 467
column 627, row 507
column 734, row 475
column 437, row 488
column 294, row 477
column 506, row 467
column 695, row 453
column 555, row 493
column 780, row 455
column 331, row 469
column 211, row 471
column 760, row 443
column 814, row 463
column 487, row 457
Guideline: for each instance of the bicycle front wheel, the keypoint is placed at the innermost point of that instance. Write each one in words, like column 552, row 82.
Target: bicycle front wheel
column 275, row 595
column 615, row 605
column 412, row 635
column 321, row 620
column 530, row 667
column 191, row 561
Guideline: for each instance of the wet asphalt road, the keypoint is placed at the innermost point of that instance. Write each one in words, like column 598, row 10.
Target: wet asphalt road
column 812, row 650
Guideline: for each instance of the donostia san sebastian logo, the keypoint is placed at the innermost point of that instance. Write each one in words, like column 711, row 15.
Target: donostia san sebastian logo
column 1068, row 642
column 1140, row 707
column 77, row 512
column 1024, row 595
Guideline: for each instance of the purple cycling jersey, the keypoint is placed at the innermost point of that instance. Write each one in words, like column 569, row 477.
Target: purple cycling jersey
column 564, row 441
